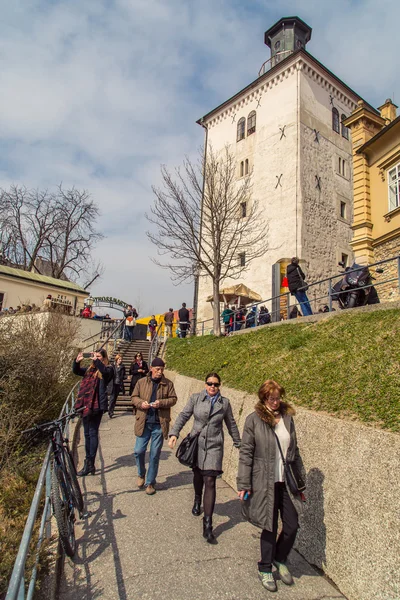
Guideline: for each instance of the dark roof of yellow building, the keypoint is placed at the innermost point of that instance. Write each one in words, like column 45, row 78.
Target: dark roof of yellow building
column 378, row 135
column 41, row 279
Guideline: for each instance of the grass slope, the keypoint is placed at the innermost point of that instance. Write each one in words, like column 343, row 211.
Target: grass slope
column 347, row 365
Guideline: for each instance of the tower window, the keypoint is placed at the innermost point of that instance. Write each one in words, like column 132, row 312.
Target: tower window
column 342, row 166
column 241, row 126
column 345, row 131
column 242, row 259
column 335, row 120
column 343, row 209
column 246, row 166
column 345, row 259
column 241, row 169
column 251, row 122
column 243, row 209
column 394, row 187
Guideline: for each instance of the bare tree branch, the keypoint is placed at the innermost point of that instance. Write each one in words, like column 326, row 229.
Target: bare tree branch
column 205, row 234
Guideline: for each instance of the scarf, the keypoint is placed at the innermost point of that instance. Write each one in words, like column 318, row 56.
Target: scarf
column 88, row 395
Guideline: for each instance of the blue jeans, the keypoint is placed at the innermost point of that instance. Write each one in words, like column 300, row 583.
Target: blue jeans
column 153, row 432
column 302, row 299
column 129, row 333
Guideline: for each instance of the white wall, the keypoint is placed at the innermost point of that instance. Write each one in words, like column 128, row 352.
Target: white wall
column 18, row 292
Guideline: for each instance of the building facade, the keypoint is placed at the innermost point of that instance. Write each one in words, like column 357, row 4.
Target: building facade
column 286, row 130
column 376, row 164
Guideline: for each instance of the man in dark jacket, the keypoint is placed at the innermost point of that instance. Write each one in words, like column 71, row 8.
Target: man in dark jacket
column 296, row 281
column 152, row 397
column 184, row 320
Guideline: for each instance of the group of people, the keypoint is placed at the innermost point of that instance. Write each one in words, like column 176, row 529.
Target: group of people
column 235, row 319
column 267, row 445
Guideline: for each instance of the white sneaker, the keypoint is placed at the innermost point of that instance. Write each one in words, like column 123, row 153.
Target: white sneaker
column 268, row 581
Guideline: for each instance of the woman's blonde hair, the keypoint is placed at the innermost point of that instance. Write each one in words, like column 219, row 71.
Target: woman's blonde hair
column 117, row 356
column 270, row 386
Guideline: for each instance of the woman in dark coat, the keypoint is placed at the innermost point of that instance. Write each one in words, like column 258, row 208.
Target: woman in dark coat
column 92, row 397
column 119, row 374
column 138, row 369
column 209, row 409
column 261, row 482
column 298, row 286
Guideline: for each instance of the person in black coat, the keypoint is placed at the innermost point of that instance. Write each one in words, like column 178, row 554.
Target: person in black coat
column 119, row 374
column 93, row 399
column 138, row 369
column 296, row 281
column 184, row 320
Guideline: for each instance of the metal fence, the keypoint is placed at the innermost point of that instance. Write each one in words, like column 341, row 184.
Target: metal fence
column 18, row 588
column 319, row 293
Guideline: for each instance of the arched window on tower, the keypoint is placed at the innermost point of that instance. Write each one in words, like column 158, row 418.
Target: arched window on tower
column 335, row 120
column 251, row 122
column 241, row 127
column 345, row 131
column 246, row 166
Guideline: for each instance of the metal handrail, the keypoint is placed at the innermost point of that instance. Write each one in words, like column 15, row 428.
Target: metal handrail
column 112, row 336
column 16, row 587
column 155, row 344
column 274, row 60
column 102, row 331
column 201, row 325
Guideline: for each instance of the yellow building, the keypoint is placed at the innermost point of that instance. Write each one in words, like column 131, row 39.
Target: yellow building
column 376, row 165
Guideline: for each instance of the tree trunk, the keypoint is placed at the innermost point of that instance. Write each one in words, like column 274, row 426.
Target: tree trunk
column 216, row 311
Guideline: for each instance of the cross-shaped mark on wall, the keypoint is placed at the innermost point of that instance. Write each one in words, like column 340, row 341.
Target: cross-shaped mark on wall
column 233, row 117
column 279, row 177
column 258, row 101
column 316, row 133
column 318, row 182
column 282, row 130
column 331, row 99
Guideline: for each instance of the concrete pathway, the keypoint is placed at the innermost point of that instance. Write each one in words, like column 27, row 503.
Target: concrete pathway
column 136, row 546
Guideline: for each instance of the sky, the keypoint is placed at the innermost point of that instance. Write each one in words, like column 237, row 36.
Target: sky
column 98, row 94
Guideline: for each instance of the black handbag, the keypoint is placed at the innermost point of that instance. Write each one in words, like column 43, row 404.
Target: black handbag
column 293, row 478
column 187, row 449
column 304, row 285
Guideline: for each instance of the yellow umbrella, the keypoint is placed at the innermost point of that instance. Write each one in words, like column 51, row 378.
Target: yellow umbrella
column 239, row 293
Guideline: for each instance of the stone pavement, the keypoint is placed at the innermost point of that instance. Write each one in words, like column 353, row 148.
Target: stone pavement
column 135, row 546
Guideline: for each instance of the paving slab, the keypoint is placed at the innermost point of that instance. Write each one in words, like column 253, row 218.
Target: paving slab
column 135, row 546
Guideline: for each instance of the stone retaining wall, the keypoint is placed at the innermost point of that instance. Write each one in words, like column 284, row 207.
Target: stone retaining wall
column 351, row 525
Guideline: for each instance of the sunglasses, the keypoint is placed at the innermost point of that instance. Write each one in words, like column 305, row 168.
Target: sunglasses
column 212, row 384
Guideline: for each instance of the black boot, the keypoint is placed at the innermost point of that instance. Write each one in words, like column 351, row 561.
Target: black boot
column 86, row 468
column 208, row 531
column 91, row 467
column 196, row 506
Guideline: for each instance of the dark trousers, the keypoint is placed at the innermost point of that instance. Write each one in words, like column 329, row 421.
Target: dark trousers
column 91, row 426
column 117, row 388
column 183, row 328
column 272, row 549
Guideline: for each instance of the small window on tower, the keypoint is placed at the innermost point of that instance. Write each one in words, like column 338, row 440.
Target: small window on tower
column 241, row 126
column 251, row 122
column 345, row 259
column 343, row 210
column 243, row 209
column 246, row 166
column 241, row 169
column 277, row 45
column 335, row 120
column 242, row 259
column 345, row 131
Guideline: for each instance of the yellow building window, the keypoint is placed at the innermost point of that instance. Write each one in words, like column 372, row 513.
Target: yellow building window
column 394, row 187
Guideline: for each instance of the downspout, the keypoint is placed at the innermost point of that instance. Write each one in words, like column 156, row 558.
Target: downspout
column 197, row 275
column 297, row 155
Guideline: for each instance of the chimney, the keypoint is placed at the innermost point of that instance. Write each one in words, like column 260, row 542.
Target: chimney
column 388, row 111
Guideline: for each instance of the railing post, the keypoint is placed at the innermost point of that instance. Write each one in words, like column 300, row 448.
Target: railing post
column 21, row 591
column 48, row 490
column 330, row 295
column 234, row 321
column 202, row 328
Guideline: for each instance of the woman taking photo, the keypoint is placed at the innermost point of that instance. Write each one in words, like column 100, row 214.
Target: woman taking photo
column 261, row 481
column 209, row 409
column 119, row 374
column 138, row 369
column 92, row 397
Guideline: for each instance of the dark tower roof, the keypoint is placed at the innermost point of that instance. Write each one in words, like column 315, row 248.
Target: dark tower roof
column 291, row 22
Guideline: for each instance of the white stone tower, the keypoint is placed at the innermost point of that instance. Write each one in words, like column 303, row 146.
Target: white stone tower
column 285, row 128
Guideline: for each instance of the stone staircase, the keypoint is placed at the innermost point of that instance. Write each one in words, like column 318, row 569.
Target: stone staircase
column 128, row 351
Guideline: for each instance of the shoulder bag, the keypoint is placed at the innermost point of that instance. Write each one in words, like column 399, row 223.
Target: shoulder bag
column 293, row 478
column 304, row 285
column 187, row 449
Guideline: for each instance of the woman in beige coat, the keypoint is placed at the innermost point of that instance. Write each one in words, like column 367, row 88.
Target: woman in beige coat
column 261, row 480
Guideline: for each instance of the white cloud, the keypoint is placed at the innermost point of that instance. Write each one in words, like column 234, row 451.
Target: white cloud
column 99, row 93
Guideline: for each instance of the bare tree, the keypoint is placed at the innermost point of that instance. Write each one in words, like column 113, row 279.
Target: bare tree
column 205, row 229
column 57, row 227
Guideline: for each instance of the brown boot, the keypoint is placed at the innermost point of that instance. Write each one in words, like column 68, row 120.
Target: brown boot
column 140, row 482
column 150, row 490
